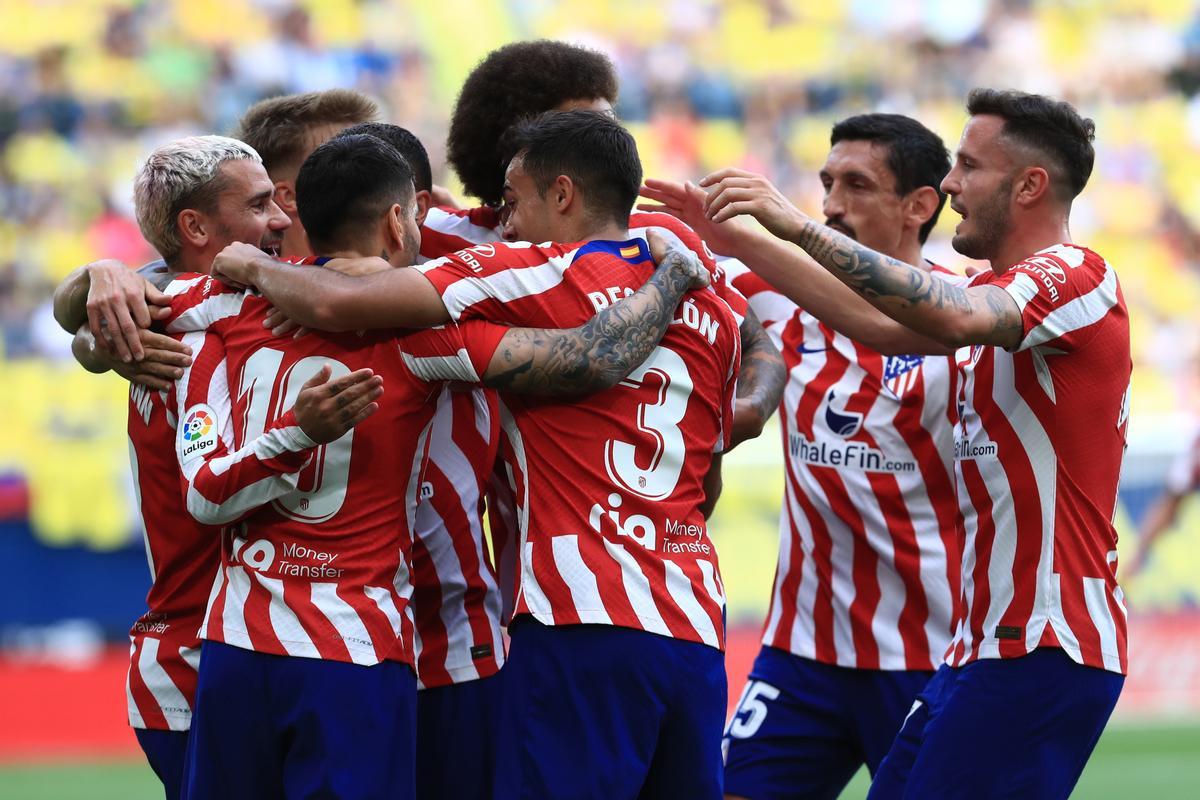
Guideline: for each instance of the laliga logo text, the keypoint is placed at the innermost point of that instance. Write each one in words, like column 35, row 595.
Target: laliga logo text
column 638, row 527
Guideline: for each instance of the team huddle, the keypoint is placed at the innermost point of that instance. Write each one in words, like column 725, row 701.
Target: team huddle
column 425, row 488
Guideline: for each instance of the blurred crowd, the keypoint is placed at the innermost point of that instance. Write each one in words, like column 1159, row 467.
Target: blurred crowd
column 87, row 87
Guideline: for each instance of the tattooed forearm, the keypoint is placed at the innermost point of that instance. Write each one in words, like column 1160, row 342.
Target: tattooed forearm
column 931, row 306
column 763, row 374
column 600, row 353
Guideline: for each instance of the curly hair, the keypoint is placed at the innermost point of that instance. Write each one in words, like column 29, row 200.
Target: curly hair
column 517, row 81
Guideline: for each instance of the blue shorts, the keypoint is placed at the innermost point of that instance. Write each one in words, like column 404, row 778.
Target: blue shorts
column 803, row 728
column 166, row 751
column 597, row 711
column 268, row 726
column 457, row 730
column 1017, row 727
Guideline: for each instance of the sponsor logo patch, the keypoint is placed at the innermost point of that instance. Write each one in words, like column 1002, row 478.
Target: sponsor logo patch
column 198, row 433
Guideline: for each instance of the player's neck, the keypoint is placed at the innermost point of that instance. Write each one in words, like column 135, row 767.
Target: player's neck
column 608, row 232
column 910, row 253
column 1031, row 237
column 189, row 260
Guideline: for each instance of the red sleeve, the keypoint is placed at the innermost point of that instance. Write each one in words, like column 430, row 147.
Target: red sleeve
column 455, row 352
column 1063, row 292
column 200, row 302
column 220, row 486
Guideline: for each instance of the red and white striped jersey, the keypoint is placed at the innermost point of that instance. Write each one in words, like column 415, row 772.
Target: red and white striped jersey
column 456, row 599
column 1184, row 475
column 1038, row 450
column 318, row 566
column 447, row 230
column 622, row 540
column 183, row 556
column 869, row 534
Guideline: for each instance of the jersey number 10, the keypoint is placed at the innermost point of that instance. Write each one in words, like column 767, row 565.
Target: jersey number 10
column 327, row 476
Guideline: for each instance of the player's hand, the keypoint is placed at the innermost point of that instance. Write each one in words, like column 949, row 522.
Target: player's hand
column 732, row 192
column 669, row 255
column 444, row 197
column 165, row 360
column 117, row 308
column 326, row 409
column 163, row 364
column 748, row 423
column 237, row 265
column 280, row 324
column 686, row 202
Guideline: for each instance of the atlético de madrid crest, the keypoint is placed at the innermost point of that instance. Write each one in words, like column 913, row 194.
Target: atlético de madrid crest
column 901, row 373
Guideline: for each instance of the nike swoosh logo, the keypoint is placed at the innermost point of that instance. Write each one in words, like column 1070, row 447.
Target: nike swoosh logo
column 802, row 349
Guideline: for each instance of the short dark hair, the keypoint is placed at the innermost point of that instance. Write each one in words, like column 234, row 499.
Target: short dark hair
column 511, row 83
column 346, row 185
column 1051, row 127
column 406, row 144
column 589, row 147
column 917, row 156
column 280, row 128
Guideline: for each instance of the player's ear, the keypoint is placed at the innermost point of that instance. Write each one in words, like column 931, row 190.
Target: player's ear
column 393, row 231
column 285, row 197
column 1031, row 185
column 563, row 193
column 922, row 205
column 193, row 227
column 424, row 201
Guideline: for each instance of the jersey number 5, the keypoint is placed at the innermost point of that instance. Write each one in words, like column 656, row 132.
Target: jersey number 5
column 328, row 475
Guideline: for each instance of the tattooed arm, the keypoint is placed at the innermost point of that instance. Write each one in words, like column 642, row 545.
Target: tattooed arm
column 760, row 382
column 950, row 315
column 790, row 271
column 604, row 350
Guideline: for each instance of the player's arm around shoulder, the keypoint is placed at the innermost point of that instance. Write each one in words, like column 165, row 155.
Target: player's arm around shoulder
column 326, row 300
column 607, row 348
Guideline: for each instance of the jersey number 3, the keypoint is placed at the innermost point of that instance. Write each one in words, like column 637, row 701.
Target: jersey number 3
column 651, row 468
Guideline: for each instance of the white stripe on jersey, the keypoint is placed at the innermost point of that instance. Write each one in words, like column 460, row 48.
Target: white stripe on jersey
column 505, row 286
column 1079, row 313
column 531, row 592
column 581, row 581
column 165, row 692
column 218, row 584
column 457, row 367
column 637, row 589
column 285, row 624
column 459, row 225
column 1095, row 594
column 679, row 586
column 386, row 600
column 345, row 621
column 233, row 615
column 212, row 309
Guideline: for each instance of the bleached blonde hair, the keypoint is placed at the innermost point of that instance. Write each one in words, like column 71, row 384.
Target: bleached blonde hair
column 178, row 175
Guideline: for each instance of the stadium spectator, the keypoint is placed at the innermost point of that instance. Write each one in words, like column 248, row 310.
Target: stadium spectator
column 1041, row 347
column 868, row 565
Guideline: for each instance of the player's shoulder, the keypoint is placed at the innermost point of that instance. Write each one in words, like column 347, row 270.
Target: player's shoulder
column 196, row 283
column 492, row 257
column 1063, row 263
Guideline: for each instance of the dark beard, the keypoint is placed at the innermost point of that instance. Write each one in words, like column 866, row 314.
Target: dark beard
column 991, row 223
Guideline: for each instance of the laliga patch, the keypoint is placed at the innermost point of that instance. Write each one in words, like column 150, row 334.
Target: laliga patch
column 197, row 433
